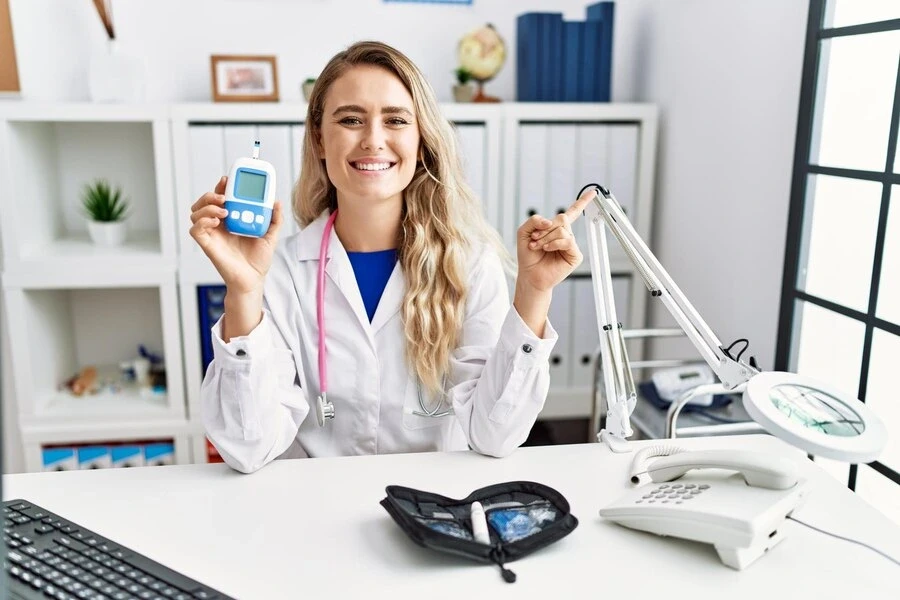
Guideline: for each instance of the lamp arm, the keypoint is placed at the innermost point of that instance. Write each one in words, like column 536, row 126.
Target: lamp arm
column 618, row 383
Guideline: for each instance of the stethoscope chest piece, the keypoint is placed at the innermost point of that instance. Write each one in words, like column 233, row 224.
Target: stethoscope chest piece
column 324, row 410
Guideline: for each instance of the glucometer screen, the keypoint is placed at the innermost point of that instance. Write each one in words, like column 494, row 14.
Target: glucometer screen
column 250, row 186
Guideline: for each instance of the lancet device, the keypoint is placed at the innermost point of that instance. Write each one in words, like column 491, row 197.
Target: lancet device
column 250, row 195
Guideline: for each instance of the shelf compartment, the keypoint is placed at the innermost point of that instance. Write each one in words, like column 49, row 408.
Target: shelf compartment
column 49, row 164
column 70, row 329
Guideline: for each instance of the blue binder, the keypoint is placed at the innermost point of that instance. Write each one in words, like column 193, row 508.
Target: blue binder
column 538, row 56
column 551, row 73
column 590, row 65
column 602, row 13
column 572, row 60
column 211, row 305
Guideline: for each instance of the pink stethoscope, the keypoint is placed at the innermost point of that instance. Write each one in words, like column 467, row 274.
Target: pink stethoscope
column 324, row 408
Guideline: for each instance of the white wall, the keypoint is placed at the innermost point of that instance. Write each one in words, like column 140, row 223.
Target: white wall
column 725, row 73
column 55, row 38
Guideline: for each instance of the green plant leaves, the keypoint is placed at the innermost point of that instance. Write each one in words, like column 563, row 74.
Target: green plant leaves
column 103, row 203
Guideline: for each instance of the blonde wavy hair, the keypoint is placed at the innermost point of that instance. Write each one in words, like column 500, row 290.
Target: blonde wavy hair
column 442, row 220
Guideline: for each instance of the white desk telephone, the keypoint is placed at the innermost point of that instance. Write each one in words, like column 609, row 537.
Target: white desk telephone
column 741, row 514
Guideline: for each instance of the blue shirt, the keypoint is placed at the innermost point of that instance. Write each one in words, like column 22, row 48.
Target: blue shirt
column 372, row 270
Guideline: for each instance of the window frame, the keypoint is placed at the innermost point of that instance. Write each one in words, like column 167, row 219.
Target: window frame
column 816, row 33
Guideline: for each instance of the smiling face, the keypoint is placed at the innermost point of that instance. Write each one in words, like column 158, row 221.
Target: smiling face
column 369, row 136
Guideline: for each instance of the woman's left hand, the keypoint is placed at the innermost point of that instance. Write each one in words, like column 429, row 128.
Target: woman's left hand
column 546, row 249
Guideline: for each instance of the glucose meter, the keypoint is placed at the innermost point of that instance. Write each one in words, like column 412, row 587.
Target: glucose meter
column 250, row 195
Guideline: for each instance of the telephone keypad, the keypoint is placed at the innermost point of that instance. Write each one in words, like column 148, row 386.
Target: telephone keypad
column 676, row 493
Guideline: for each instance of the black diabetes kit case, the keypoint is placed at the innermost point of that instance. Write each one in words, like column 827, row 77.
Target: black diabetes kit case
column 522, row 516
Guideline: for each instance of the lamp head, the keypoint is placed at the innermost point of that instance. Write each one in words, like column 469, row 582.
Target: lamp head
column 815, row 417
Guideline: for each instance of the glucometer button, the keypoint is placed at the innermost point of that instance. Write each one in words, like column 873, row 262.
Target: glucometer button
column 259, row 219
column 247, row 216
column 235, row 214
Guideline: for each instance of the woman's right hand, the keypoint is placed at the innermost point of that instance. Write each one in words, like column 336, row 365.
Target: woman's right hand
column 241, row 261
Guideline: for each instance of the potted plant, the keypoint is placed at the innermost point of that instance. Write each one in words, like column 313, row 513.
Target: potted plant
column 463, row 90
column 105, row 209
column 308, row 87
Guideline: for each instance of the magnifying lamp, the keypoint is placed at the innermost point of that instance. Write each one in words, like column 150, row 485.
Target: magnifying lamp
column 804, row 412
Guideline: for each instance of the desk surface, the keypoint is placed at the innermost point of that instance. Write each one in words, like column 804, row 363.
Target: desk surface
column 307, row 528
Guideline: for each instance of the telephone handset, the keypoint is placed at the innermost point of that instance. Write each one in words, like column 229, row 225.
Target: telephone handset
column 739, row 513
column 761, row 470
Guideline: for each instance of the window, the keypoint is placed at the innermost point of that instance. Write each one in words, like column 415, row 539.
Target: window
column 840, row 302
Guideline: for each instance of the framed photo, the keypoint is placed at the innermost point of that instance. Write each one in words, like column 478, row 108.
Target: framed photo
column 9, row 73
column 244, row 78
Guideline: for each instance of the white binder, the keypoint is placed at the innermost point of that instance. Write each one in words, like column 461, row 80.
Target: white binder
column 207, row 165
column 275, row 147
column 560, row 316
column 561, row 168
column 472, row 146
column 532, row 175
column 584, row 332
column 297, row 133
column 238, row 141
column 623, row 156
column 592, row 166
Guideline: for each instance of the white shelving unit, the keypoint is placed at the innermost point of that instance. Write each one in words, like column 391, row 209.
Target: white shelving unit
column 72, row 304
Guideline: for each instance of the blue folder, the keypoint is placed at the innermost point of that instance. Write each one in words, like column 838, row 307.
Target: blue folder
column 602, row 13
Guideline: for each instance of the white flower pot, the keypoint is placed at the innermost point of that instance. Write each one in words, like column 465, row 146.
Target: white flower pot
column 463, row 92
column 307, row 87
column 107, row 233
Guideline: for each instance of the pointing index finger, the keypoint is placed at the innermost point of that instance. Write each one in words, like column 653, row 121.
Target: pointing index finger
column 574, row 211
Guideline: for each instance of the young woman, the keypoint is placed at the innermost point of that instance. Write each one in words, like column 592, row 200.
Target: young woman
column 419, row 348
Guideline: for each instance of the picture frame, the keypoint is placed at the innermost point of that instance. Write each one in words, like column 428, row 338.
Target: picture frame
column 244, row 78
column 9, row 73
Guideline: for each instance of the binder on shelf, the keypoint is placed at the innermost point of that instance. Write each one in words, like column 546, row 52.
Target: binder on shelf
column 532, row 176
column 59, row 459
column 210, row 305
column 602, row 13
column 623, row 168
column 538, row 56
column 207, row 163
column 551, row 71
column 560, row 316
column 94, row 457
column 590, row 70
column 526, row 57
column 162, row 453
column 593, row 165
column 561, row 164
column 572, row 33
column 560, row 60
column 585, row 337
column 238, row 141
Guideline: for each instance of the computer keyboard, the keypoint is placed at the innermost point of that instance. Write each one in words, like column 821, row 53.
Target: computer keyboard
column 48, row 556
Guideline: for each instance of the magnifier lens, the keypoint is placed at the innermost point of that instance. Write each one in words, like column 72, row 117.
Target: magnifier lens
column 817, row 410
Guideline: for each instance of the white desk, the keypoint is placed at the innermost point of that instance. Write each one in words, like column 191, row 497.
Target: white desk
column 314, row 529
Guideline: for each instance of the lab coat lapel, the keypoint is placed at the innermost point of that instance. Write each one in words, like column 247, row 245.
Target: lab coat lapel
column 391, row 299
column 337, row 269
column 340, row 271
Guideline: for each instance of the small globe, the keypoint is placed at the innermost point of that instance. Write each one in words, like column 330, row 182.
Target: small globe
column 482, row 53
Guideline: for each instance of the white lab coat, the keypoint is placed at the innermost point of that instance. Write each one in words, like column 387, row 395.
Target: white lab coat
column 258, row 391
